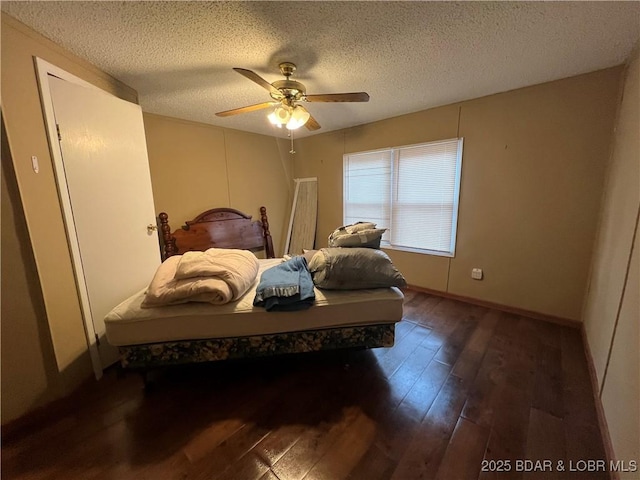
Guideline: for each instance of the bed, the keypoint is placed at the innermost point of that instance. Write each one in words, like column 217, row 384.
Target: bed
column 201, row 332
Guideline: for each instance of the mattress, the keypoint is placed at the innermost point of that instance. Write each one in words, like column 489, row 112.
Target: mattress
column 129, row 324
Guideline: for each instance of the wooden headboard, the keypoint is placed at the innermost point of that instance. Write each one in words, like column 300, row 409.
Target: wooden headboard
column 219, row 228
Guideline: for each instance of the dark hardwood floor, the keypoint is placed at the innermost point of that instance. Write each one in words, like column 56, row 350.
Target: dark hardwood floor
column 464, row 386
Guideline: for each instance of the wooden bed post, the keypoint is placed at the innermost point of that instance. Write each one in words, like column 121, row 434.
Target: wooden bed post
column 268, row 242
column 169, row 242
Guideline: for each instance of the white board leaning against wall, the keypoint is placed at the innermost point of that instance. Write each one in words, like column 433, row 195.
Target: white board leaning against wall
column 304, row 214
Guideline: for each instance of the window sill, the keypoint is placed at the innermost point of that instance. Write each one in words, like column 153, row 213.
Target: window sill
column 418, row 250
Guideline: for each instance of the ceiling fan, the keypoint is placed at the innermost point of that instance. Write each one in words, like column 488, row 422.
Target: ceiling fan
column 287, row 95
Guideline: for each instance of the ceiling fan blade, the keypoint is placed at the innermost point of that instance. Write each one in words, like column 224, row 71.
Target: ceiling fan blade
column 312, row 124
column 338, row 97
column 254, row 77
column 249, row 108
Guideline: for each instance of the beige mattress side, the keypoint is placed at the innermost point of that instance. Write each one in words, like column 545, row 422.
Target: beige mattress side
column 129, row 324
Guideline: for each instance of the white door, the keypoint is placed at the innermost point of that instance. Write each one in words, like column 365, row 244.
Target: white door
column 104, row 156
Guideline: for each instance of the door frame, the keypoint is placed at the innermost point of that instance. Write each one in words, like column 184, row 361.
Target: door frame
column 43, row 70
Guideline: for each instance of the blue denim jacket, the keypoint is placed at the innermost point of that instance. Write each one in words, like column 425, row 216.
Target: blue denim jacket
column 287, row 286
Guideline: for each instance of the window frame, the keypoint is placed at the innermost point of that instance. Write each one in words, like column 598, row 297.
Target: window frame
column 395, row 153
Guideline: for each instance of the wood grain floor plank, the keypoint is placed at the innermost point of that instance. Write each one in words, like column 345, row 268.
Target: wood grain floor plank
column 411, row 298
column 443, row 314
column 312, row 445
column 470, row 358
column 453, row 345
column 509, row 427
column 545, row 446
column 507, row 365
column 402, row 330
column 300, row 411
column 269, row 475
column 480, row 403
column 227, row 453
column 249, row 467
column 463, row 458
column 580, row 417
column 296, row 410
column 396, row 427
column 390, row 362
column 447, row 316
column 345, row 453
column 549, row 334
column 206, row 441
column 274, row 446
column 420, row 309
column 548, row 392
column 405, row 376
column 374, row 465
column 345, row 395
column 427, row 448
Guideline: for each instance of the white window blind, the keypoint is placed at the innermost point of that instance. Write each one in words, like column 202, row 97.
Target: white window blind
column 367, row 188
column 413, row 191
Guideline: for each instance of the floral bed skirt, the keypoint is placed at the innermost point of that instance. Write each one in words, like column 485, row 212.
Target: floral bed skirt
column 174, row 353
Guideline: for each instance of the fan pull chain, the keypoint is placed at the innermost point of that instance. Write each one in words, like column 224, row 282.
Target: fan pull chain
column 292, row 151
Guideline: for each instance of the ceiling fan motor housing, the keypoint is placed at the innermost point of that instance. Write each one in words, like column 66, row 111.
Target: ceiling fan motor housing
column 291, row 89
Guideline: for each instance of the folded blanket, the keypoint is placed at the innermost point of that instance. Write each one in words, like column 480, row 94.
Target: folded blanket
column 287, row 286
column 215, row 276
column 238, row 268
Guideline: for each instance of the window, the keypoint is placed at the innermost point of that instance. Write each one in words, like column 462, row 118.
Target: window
column 412, row 191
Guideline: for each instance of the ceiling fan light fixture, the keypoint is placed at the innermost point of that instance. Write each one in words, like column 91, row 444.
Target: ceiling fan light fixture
column 298, row 118
column 280, row 115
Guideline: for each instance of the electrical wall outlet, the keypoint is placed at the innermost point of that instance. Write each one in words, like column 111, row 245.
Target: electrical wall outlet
column 476, row 273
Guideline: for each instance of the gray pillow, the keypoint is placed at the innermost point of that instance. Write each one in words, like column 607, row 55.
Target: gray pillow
column 308, row 254
column 354, row 268
column 361, row 234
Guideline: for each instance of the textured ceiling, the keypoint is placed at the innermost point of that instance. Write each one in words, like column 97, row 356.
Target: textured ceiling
column 408, row 56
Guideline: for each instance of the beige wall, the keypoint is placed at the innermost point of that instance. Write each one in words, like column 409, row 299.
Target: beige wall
column 195, row 167
column 532, row 176
column 612, row 311
column 25, row 135
column 24, row 323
